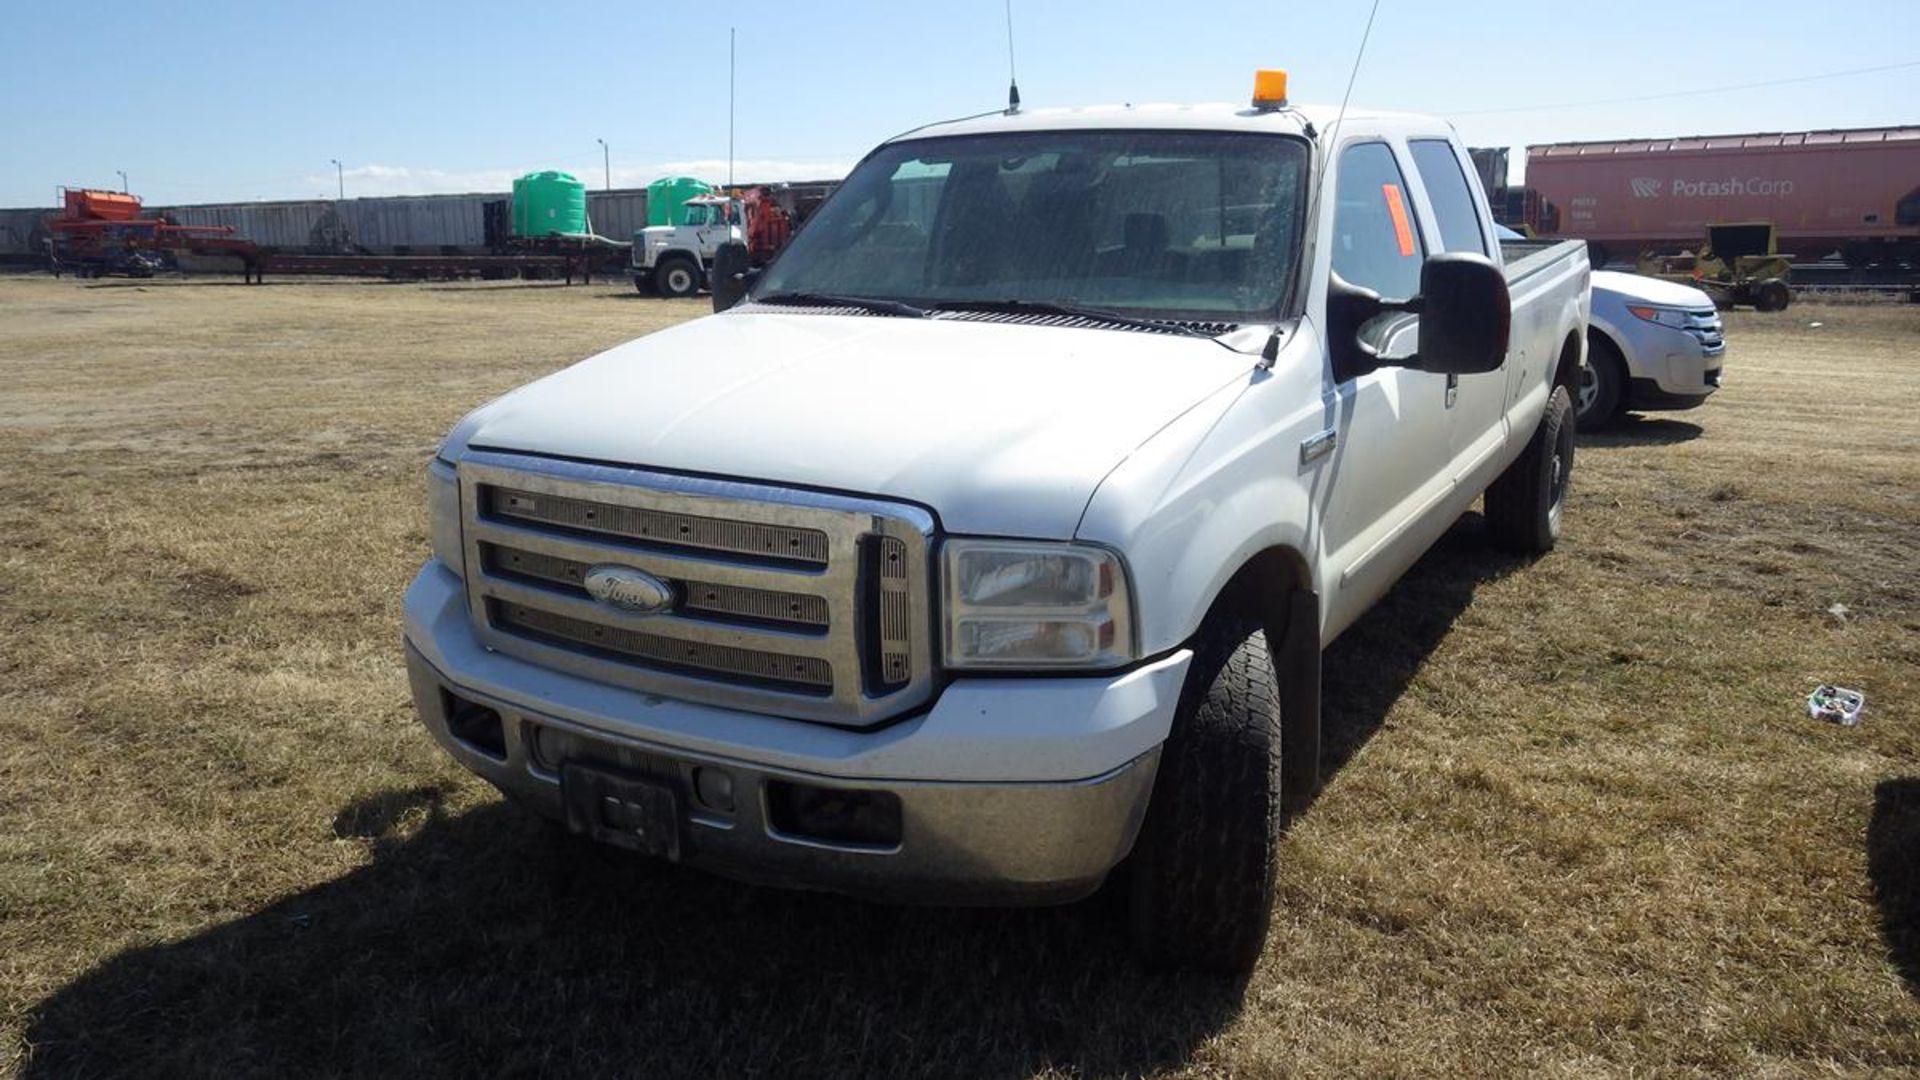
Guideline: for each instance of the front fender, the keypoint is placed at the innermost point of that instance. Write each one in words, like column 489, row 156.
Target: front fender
column 1212, row 490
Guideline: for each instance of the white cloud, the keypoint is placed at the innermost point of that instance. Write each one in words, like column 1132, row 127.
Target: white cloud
column 364, row 181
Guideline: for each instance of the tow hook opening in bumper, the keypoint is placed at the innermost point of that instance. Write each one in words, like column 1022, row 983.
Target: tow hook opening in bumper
column 867, row 818
column 477, row 726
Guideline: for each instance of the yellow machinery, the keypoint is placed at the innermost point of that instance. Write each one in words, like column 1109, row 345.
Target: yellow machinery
column 1737, row 264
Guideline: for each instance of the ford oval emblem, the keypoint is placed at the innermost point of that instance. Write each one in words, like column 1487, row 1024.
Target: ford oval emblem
column 628, row 589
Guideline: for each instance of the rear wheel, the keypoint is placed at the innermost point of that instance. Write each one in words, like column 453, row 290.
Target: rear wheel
column 1601, row 384
column 677, row 276
column 1524, row 504
column 1202, row 875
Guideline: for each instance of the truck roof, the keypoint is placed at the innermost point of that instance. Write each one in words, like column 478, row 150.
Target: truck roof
column 1288, row 120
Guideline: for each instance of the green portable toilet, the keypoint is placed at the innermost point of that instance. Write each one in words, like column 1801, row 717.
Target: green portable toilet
column 549, row 203
column 667, row 198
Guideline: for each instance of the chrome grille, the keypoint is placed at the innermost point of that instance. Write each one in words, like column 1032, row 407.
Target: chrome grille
column 658, row 527
column 809, row 672
column 690, row 597
column 785, row 602
column 1704, row 324
column 895, row 612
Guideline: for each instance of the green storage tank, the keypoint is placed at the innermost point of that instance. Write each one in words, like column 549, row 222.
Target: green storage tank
column 545, row 203
column 667, row 198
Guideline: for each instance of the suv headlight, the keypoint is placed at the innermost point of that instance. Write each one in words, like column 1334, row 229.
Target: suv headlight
column 443, row 514
column 1021, row 605
column 1670, row 317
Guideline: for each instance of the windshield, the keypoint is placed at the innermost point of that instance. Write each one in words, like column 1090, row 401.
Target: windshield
column 1158, row 224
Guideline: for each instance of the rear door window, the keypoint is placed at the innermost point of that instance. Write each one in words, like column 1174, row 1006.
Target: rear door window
column 1376, row 240
column 1447, row 190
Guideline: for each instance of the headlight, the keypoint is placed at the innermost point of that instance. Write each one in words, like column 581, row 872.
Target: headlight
column 1034, row 605
column 1671, row 317
column 443, row 515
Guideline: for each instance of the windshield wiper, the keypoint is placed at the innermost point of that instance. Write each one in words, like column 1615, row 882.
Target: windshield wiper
column 878, row 305
column 1048, row 307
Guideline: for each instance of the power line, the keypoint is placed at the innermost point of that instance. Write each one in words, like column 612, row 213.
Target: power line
column 1688, row 93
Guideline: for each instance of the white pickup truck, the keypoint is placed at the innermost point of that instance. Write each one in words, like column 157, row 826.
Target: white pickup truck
column 990, row 537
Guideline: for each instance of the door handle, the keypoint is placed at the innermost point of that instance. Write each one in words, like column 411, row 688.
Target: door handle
column 1319, row 446
column 1453, row 389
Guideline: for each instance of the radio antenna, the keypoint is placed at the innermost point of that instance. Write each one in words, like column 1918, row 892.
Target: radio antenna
column 1354, row 74
column 1013, row 76
column 1271, row 353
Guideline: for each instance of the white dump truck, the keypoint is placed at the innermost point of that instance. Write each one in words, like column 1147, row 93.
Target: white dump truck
column 985, row 545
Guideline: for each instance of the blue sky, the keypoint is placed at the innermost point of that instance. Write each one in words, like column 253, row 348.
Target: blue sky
column 217, row 101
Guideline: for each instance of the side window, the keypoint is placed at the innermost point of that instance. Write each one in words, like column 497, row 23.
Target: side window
column 1376, row 244
column 1447, row 190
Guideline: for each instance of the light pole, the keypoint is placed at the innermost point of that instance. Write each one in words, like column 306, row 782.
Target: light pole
column 730, row 33
column 340, row 175
column 606, row 164
column 123, row 180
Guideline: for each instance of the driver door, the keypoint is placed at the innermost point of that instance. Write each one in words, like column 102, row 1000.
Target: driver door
column 1387, row 474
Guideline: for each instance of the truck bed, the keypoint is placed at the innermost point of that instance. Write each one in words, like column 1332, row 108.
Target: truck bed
column 1525, row 258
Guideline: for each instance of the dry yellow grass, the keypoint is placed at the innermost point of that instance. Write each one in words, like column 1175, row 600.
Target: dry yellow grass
column 1577, row 822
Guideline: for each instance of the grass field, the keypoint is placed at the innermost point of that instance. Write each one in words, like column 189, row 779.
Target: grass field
column 1577, row 820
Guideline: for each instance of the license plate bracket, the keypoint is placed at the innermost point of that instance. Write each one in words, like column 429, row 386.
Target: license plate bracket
column 624, row 811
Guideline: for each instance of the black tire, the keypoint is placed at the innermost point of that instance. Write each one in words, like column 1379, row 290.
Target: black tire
column 1601, row 385
column 1524, row 503
column 1201, row 891
column 1772, row 295
column 677, row 276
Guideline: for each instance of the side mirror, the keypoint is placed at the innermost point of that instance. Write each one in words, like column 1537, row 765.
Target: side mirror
column 732, row 275
column 1465, row 315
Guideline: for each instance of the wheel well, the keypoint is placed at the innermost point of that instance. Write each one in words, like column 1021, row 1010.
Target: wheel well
column 1276, row 587
column 1260, row 587
column 1599, row 342
column 1566, row 371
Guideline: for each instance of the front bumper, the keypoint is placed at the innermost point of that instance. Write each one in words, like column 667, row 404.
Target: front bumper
column 1678, row 371
column 1009, row 790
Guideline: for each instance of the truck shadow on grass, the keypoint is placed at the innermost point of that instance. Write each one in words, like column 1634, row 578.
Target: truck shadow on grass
column 1893, row 865
column 1634, row 430
column 481, row 943
column 1364, row 673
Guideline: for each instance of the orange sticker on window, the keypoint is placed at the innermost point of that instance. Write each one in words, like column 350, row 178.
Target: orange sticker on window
column 1402, row 228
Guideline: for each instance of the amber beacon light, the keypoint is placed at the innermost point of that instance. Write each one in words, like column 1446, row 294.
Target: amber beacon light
column 1269, row 88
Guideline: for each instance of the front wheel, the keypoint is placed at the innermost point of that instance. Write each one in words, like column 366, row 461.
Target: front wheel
column 1525, row 502
column 1202, row 875
column 1601, row 383
column 677, row 277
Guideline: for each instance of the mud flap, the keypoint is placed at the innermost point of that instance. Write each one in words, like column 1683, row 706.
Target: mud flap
column 1297, row 663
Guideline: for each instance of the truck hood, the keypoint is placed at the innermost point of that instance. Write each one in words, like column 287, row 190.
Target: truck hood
column 999, row 429
column 1645, row 290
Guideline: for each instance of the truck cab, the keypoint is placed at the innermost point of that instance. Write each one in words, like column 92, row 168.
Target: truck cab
column 677, row 260
column 990, row 535
column 673, row 260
